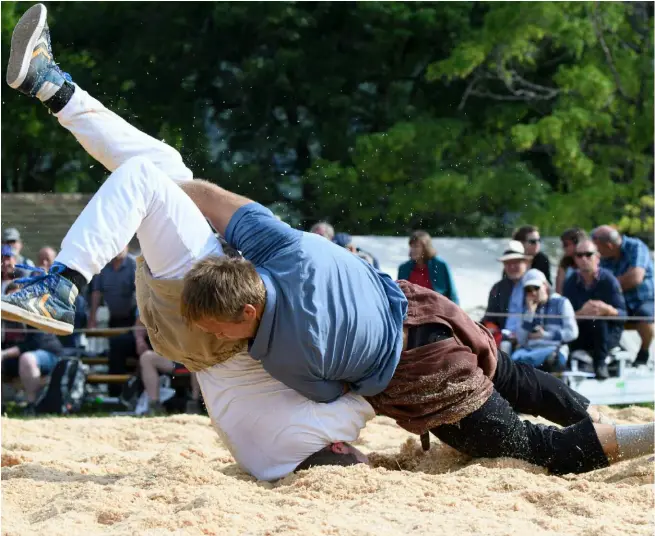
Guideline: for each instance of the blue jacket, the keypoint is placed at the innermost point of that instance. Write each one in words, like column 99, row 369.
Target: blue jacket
column 442, row 279
column 557, row 331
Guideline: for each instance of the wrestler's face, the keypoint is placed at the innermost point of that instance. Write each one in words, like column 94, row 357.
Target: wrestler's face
column 345, row 448
column 244, row 327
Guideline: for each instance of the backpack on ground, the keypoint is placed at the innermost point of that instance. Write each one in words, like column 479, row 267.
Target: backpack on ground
column 64, row 393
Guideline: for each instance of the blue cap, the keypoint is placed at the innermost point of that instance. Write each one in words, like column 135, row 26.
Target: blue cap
column 7, row 251
column 342, row 239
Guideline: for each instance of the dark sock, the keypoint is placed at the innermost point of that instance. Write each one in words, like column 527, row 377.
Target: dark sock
column 76, row 278
column 61, row 98
column 642, row 357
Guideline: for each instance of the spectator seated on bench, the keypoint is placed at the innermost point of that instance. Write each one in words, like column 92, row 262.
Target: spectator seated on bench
column 28, row 355
column 631, row 263
column 542, row 341
column 594, row 291
column 506, row 296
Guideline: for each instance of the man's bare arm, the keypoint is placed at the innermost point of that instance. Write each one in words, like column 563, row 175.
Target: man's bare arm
column 632, row 278
column 216, row 204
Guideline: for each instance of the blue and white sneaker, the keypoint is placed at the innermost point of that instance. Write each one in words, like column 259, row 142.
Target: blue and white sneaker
column 45, row 301
column 31, row 68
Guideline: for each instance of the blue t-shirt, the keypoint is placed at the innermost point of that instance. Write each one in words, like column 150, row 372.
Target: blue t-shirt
column 605, row 288
column 634, row 254
column 330, row 317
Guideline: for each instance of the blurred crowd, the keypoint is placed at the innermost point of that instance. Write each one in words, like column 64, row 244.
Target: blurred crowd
column 602, row 285
column 31, row 355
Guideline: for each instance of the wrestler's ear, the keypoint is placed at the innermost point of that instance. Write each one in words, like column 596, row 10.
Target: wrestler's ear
column 249, row 312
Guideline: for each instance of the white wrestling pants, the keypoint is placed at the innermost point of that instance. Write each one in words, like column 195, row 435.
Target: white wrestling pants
column 140, row 196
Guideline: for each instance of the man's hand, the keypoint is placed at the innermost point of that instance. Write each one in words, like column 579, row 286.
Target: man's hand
column 538, row 333
column 531, row 304
column 590, row 308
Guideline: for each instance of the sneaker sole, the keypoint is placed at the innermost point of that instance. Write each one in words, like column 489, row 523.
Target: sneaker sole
column 23, row 40
column 14, row 313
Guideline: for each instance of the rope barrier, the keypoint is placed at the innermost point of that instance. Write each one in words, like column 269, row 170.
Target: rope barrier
column 110, row 332
column 648, row 319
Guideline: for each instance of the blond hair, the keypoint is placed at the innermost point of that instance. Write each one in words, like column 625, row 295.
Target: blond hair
column 423, row 238
column 219, row 288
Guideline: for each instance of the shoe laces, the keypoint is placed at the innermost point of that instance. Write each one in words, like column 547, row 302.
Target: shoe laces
column 33, row 279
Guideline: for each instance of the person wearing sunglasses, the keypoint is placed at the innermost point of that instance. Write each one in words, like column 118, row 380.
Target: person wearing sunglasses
column 594, row 291
column 570, row 239
column 542, row 341
column 529, row 236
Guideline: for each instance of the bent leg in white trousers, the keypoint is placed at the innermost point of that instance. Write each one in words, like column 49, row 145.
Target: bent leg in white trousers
column 112, row 141
column 139, row 197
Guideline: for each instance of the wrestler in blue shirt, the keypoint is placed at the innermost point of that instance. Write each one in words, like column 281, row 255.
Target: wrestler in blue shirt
column 330, row 318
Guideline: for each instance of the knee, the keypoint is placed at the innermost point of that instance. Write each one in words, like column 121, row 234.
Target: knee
column 147, row 358
column 137, row 164
column 27, row 361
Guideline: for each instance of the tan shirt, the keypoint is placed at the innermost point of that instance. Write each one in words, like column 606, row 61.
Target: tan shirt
column 159, row 308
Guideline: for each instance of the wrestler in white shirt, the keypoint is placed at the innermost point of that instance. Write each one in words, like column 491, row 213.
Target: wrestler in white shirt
column 268, row 427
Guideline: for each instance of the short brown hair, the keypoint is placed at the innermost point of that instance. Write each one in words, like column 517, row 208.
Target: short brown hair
column 423, row 238
column 574, row 234
column 220, row 287
column 521, row 234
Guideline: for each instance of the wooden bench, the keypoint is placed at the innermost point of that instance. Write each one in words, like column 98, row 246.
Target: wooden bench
column 107, row 378
column 131, row 362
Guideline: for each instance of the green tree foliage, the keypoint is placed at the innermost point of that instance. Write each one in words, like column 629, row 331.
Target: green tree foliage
column 463, row 118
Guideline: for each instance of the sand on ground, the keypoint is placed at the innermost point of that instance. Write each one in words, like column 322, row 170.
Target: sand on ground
column 172, row 475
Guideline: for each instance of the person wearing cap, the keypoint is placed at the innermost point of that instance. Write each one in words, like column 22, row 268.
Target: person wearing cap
column 346, row 241
column 8, row 266
column 594, row 291
column 426, row 269
column 11, row 237
column 542, row 341
column 506, row 296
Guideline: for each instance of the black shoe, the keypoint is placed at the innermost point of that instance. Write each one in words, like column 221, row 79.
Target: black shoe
column 601, row 372
column 642, row 358
column 29, row 410
column 551, row 363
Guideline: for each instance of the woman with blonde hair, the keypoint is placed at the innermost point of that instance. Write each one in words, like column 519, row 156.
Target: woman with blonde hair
column 426, row 268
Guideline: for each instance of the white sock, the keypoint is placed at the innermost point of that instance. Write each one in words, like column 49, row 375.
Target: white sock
column 635, row 440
